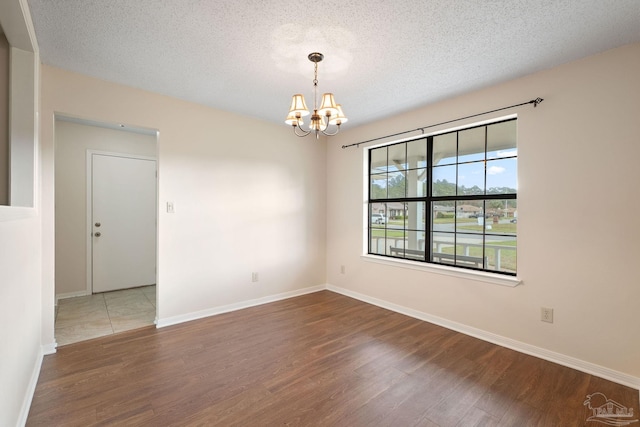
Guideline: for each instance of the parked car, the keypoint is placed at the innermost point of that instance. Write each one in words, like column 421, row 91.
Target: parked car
column 378, row 218
column 514, row 220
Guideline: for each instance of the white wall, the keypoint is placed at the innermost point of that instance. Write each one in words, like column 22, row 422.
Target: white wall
column 72, row 140
column 578, row 237
column 20, row 314
column 20, row 238
column 248, row 195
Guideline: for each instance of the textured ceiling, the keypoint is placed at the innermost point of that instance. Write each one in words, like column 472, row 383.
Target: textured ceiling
column 382, row 57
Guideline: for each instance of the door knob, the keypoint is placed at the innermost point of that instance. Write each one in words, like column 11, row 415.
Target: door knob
column 97, row 234
column 98, row 224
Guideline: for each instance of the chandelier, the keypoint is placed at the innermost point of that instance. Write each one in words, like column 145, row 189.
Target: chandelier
column 329, row 113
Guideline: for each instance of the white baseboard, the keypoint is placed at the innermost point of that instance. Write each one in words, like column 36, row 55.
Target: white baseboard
column 31, row 389
column 174, row 320
column 560, row 359
column 72, row 295
column 50, row 348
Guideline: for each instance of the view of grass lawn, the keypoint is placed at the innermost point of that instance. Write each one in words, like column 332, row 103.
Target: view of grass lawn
column 507, row 256
column 393, row 233
column 495, row 228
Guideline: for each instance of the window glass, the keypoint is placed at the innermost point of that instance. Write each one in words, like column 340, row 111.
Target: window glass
column 471, row 217
column 396, row 242
column 442, row 247
column 416, row 215
column 445, row 149
column 406, row 230
column 501, row 253
column 416, row 182
column 396, row 184
column 471, row 178
column 443, row 215
column 502, row 176
column 397, row 157
column 378, row 215
column 469, row 251
column 417, row 154
column 378, row 186
column 377, row 242
column 471, row 144
column 378, row 160
column 501, row 140
column 444, row 180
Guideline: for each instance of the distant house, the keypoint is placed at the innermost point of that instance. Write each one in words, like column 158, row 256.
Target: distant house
column 440, row 208
column 466, row 211
column 396, row 210
column 393, row 210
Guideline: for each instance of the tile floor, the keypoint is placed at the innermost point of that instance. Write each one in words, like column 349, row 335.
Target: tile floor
column 92, row 316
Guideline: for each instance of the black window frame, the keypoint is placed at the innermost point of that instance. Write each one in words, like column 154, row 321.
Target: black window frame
column 428, row 199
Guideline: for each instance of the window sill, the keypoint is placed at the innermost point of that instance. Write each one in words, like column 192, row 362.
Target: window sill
column 481, row 276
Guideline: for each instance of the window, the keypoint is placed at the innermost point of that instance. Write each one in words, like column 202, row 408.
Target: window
column 449, row 198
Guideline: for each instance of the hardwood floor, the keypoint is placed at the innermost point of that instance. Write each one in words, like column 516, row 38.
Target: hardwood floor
column 321, row 359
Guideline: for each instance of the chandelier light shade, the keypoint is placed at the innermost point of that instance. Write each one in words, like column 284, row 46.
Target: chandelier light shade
column 298, row 106
column 328, row 105
column 328, row 114
column 291, row 119
column 339, row 118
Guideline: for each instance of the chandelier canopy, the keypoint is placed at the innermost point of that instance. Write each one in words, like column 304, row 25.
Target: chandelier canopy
column 328, row 114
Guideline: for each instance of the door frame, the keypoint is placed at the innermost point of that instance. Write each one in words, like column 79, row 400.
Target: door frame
column 89, row 207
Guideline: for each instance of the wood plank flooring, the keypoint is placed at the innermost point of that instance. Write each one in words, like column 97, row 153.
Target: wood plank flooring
column 321, row 359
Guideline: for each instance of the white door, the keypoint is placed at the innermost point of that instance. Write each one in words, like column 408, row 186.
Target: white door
column 123, row 222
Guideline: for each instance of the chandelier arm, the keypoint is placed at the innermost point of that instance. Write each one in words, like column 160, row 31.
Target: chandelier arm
column 334, row 133
column 304, row 132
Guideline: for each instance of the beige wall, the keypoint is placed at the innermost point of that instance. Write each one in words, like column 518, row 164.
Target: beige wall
column 578, row 237
column 72, row 140
column 249, row 196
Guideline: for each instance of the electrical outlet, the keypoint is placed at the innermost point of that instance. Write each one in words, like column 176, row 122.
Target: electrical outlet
column 342, row 269
column 254, row 277
column 546, row 314
column 170, row 207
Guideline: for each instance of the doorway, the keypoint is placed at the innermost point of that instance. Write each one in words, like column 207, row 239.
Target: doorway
column 104, row 175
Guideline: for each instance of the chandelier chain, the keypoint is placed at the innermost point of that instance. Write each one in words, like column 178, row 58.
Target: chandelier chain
column 315, row 85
